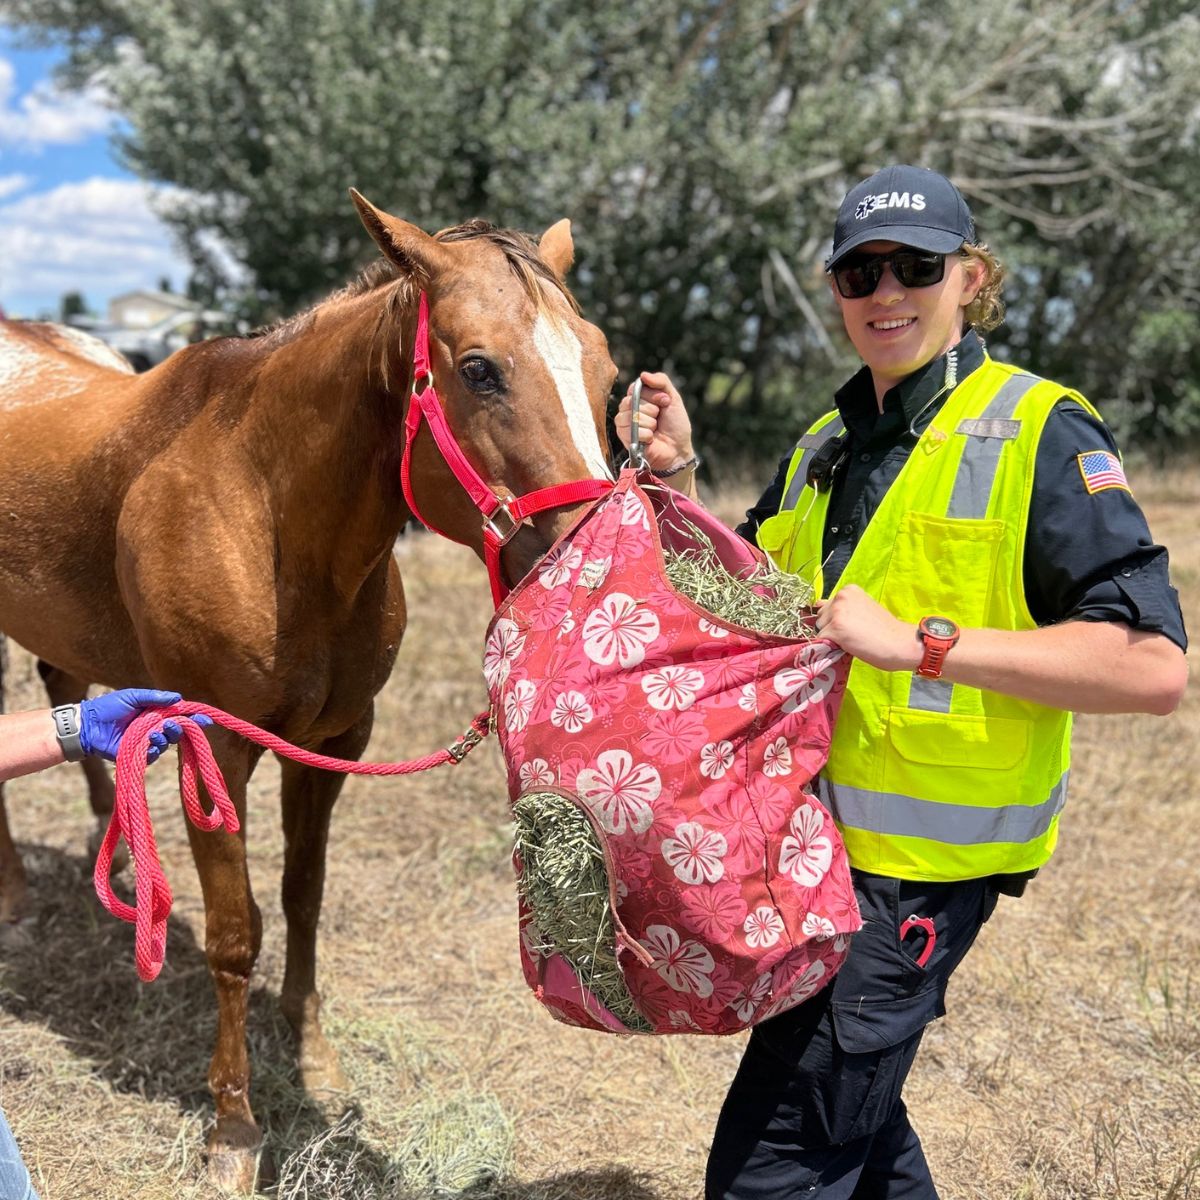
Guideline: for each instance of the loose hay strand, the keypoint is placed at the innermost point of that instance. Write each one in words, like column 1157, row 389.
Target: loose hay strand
column 768, row 599
column 564, row 882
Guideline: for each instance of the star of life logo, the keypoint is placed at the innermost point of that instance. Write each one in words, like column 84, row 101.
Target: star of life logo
column 870, row 204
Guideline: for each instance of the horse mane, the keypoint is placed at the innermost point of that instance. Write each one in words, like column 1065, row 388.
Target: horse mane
column 519, row 249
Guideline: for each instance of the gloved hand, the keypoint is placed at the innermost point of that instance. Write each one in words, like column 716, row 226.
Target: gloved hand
column 103, row 721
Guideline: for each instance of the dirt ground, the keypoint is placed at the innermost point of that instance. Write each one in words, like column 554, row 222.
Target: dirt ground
column 1068, row 1066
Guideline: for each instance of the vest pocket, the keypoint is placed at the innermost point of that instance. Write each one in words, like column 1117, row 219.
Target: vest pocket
column 943, row 566
column 958, row 740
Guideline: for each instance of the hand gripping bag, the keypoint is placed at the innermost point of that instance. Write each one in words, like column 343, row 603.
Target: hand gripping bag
column 688, row 743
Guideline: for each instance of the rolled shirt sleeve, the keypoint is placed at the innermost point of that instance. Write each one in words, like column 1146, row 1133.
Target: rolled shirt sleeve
column 1089, row 555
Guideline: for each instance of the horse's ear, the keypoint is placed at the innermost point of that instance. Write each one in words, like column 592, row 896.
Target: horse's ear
column 557, row 249
column 410, row 248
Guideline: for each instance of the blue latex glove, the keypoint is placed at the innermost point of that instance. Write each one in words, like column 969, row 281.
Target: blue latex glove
column 103, row 721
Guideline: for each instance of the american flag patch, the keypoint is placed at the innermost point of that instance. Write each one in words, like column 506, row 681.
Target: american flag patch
column 1102, row 469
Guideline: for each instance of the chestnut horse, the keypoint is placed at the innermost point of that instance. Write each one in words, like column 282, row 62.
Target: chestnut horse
column 223, row 526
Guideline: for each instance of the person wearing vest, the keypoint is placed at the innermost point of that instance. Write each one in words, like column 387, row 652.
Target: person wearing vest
column 973, row 542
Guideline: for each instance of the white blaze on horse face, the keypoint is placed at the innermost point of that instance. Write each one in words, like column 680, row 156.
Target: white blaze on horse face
column 562, row 353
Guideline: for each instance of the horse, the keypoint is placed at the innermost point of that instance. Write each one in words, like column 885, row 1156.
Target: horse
column 223, row 526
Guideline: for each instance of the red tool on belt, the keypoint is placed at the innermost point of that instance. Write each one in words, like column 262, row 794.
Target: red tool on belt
column 925, row 924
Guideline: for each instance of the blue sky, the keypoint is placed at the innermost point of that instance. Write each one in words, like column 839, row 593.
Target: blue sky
column 71, row 219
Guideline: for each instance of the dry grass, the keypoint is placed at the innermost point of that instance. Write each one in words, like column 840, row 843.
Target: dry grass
column 1069, row 1065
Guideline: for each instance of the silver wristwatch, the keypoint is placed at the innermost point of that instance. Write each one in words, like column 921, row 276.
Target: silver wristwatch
column 66, row 730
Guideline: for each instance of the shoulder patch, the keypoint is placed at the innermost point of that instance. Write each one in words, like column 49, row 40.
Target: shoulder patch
column 1101, row 470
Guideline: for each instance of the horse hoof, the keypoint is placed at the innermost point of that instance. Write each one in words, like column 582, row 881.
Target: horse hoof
column 325, row 1080
column 237, row 1170
column 234, row 1172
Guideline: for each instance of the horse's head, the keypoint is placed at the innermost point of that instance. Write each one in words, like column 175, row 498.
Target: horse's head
column 523, row 379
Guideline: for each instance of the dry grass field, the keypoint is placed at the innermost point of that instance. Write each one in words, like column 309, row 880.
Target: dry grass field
column 1068, row 1067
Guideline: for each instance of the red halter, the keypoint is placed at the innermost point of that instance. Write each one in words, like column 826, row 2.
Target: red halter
column 501, row 518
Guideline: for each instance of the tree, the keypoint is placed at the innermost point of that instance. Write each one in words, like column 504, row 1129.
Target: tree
column 71, row 305
column 700, row 147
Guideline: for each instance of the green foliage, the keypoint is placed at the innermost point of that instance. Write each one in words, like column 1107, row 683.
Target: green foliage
column 71, row 305
column 700, row 147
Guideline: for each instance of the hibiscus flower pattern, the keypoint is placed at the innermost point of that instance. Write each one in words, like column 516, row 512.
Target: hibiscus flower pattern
column 619, row 631
column 620, row 791
column 810, row 679
column 713, row 912
column 690, row 744
column 633, row 511
column 747, row 1004
column 535, row 773
column 807, row 853
column 763, row 927
column 518, row 704
column 816, row 926
column 777, row 759
column 503, row 645
column 801, row 989
column 685, row 966
column 558, row 566
column 674, row 735
column 695, row 853
column 672, row 687
column 716, row 758
column 571, row 712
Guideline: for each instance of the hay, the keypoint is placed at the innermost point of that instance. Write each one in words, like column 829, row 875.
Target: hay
column 768, row 599
column 457, row 1145
column 565, row 884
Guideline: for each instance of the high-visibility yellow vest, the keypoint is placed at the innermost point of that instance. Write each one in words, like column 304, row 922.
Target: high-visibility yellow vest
column 929, row 780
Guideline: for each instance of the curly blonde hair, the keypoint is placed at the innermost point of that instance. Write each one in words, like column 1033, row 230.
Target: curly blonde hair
column 986, row 311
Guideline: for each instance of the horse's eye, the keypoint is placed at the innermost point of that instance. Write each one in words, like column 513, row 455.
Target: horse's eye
column 480, row 375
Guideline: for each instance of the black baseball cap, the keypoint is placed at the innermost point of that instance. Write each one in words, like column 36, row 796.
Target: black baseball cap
column 910, row 205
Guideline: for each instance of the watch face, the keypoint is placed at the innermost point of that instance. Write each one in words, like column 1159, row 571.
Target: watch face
column 939, row 627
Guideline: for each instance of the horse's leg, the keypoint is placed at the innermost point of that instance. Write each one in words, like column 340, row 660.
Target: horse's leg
column 13, row 883
column 308, row 799
column 64, row 688
column 233, row 934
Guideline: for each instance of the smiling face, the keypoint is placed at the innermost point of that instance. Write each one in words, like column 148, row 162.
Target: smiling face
column 898, row 330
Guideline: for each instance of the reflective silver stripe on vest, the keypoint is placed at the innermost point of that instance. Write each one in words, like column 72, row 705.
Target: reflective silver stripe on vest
column 981, row 455
column 953, row 824
column 930, row 695
column 809, row 443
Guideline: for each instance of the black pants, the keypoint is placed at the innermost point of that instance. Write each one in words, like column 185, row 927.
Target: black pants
column 815, row 1107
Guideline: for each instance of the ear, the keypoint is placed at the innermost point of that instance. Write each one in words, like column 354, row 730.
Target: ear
column 974, row 276
column 410, row 248
column 557, row 248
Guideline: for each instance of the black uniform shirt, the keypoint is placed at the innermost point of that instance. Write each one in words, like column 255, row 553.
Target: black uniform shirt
column 1087, row 556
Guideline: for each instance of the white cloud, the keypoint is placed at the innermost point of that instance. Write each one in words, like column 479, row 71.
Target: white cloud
column 98, row 236
column 46, row 115
column 9, row 184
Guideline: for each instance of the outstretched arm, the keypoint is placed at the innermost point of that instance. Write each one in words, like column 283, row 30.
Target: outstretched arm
column 28, row 741
column 1081, row 666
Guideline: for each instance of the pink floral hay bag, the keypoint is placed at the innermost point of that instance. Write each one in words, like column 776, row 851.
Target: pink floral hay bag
column 688, row 744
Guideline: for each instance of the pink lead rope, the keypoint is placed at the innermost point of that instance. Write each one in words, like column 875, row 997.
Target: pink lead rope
column 131, row 813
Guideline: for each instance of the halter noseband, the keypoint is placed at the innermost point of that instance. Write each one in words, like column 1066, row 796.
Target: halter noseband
column 501, row 518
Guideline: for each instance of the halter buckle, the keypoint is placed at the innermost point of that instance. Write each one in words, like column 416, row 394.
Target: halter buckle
column 502, row 536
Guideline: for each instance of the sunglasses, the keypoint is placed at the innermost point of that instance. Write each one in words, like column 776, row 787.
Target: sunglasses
column 859, row 275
